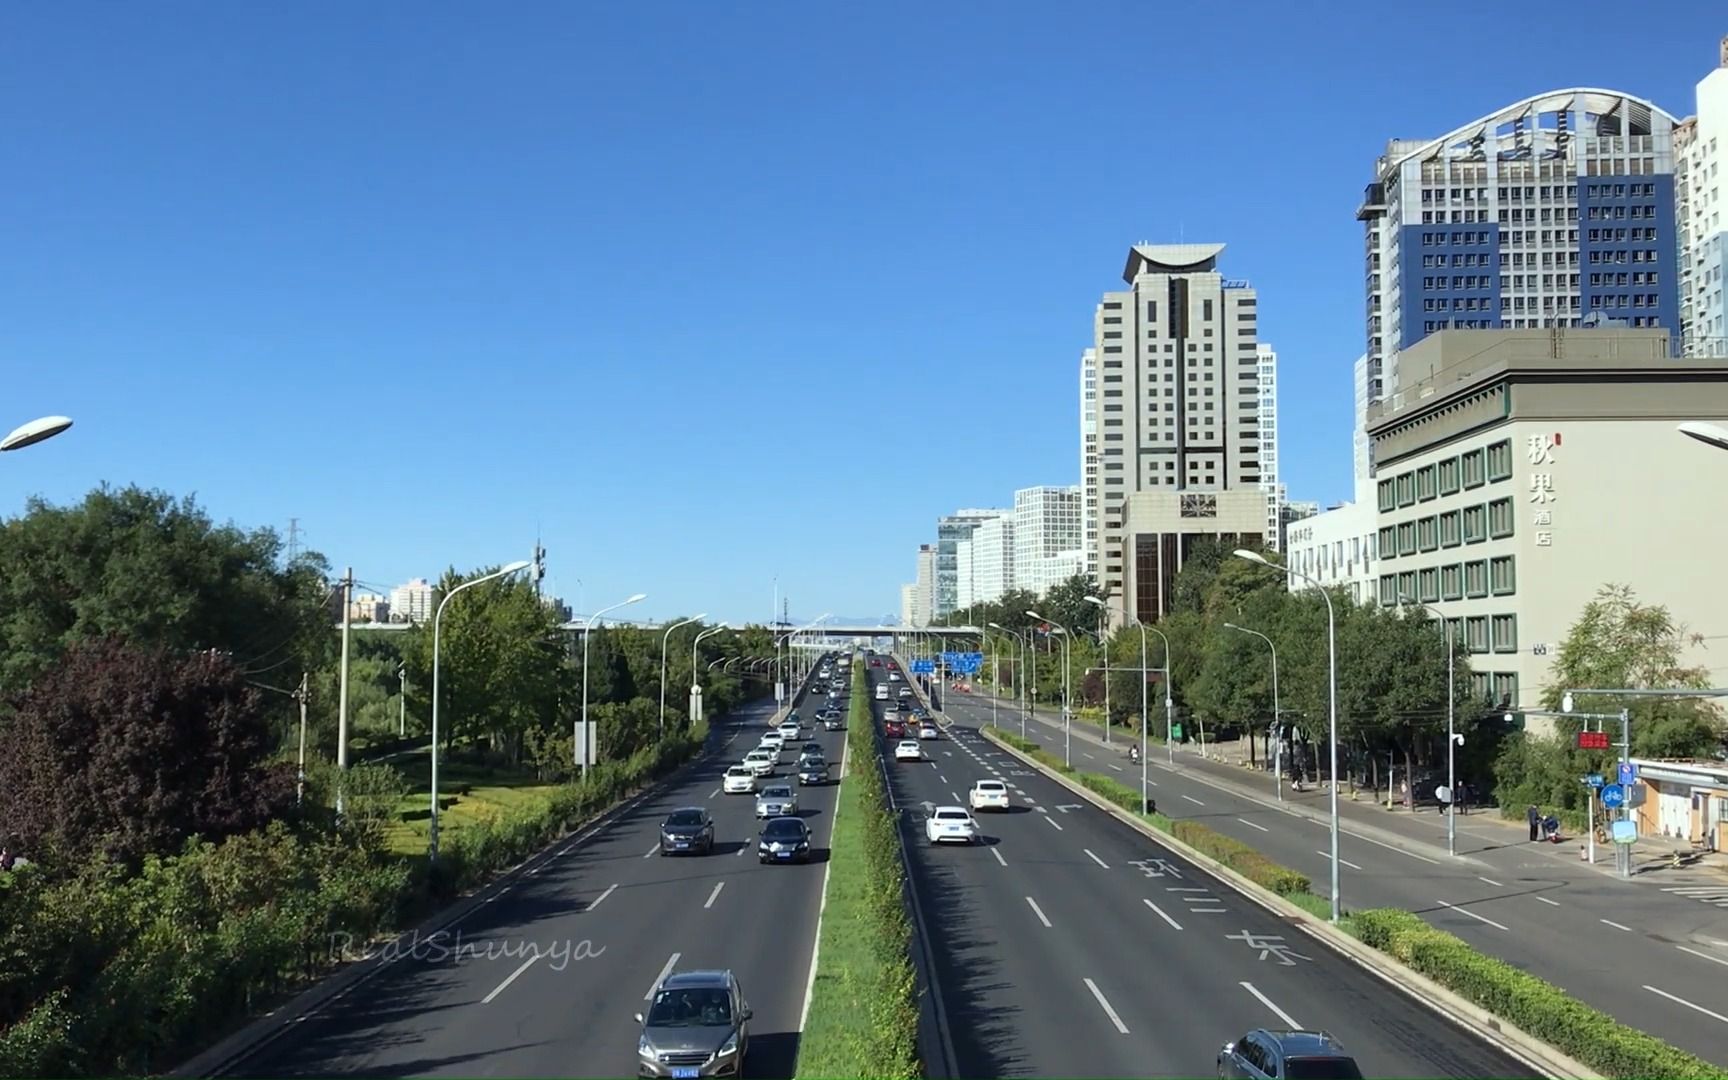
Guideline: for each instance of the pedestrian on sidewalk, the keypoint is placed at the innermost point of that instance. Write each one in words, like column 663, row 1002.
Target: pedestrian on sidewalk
column 1534, row 816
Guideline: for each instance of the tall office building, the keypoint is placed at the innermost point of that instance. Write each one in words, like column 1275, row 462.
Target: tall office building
column 1089, row 462
column 1267, row 361
column 916, row 596
column 1700, row 181
column 1047, row 533
column 412, row 602
column 1179, row 436
column 988, row 558
column 1554, row 211
column 950, row 530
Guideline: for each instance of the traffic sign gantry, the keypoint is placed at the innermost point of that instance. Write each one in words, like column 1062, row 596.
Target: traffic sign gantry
column 1613, row 796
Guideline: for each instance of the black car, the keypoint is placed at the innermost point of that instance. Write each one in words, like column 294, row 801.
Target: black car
column 812, row 770
column 687, row 830
column 784, row 839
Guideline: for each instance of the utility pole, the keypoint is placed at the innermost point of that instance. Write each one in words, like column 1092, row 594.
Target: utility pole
column 300, row 781
column 539, row 571
column 293, row 540
column 402, row 701
column 342, row 692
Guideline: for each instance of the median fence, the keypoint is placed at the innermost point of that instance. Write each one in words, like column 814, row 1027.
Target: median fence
column 863, row 1019
column 1534, row 1009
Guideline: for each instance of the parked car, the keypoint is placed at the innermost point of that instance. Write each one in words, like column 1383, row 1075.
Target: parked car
column 697, row 1026
column 784, row 839
column 688, row 829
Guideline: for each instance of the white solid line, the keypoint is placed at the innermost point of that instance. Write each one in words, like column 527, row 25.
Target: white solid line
column 1703, row 956
column 1206, row 911
column 1490, row 881
column 1550, row 903
column 1105, row 1005
column 1251, row 825
column 650, row 852
column 1688, row 1004
column 1193, row 800
column 601, row 897
column 999, row 857
column 1052, row 821
column 1161, row 915
column 1388, row 847
column 1038, row 911
column 1346, row 862
column 671, row 961
column 1615, row 925
column 1266, row 1001
column 1096, row 859
column 718, row 885
column 499, row 989
column 1472, row 914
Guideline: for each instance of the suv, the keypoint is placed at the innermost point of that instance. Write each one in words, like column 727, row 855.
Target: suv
column 698, row 1025
column 1286, row 1055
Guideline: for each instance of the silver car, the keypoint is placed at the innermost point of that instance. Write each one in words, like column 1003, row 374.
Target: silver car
column 777, row 800
column 697, row 1026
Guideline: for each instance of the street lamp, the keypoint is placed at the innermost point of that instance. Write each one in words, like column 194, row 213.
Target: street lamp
column 696, row 683
column 780, row 645
column 35, row 431
column 664, row 638
column 437, row 616
column 577, row 749
column 1104, row 644
column 1709, row 434
column 1277, row 721
column 1332, row 677
column 1452, row 738
column 1067, row 722
column 1020, row 670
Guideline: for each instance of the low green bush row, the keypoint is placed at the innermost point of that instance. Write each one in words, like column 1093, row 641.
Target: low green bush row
column 108, row 974
column 1536, row 1007
column 864, row 1005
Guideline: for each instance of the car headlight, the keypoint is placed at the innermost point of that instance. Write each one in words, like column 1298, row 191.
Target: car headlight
column 729, row 1047
column 645, row 1048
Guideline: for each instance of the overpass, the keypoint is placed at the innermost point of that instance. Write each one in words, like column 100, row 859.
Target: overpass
column 825, row 632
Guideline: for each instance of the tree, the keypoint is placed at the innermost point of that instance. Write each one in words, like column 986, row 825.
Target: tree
column 1066, row 603
column 153, row 570
column 125, row 751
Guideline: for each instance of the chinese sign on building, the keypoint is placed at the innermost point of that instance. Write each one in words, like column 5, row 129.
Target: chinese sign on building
column 1539, row 451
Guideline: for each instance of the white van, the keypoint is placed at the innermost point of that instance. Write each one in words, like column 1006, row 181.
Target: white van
column 881, row 691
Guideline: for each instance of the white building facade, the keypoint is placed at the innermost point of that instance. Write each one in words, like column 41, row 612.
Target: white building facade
column 1266, row 361
column 1046, row 533
column 1701, row 213
column 412, row 602
column 1089, row 462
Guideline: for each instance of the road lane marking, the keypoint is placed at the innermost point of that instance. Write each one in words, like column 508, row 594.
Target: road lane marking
column 1096, row 859
column 1118, row 768
column 1251, row 825
column 1388, row 847
column 942, row 778
column 650, row 852
column 713, row 793
column 715, row 895
column 1703, row 956
column 999, row 857
column 1105, row 1005
column 1038, row 911
column 1615, row 925
column 601, row 897
column 1472, row 914
column 1688, row 1004
column 1193, row 800
column 741, row 848
column 1266, row 1001
column 1550, row 903
column 1490, row 881
column 671, row 962
column 1052, row 821
column 499, row 989
column 953, row 796
column 1173, row 923
column 1346, row 862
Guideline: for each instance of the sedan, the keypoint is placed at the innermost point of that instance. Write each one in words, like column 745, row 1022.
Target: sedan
column 777, row 800
column 689, row 830
column 927, row 730
column 784, row 839
column 893, row 676
column 813, row 770
column 908, row 750
column 905, row 691
column 835, row 722
column 760, row 762
column 740, row 780
column 774, row 739
column 988, row 795
column 951, row 824
column 894, row 729
column 790, row 730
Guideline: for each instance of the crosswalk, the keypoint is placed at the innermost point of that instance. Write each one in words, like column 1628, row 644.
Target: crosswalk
column 1715, row 895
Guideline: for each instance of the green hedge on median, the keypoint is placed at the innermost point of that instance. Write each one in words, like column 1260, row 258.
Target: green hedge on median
column 1536, row 1007
column 864, row 1004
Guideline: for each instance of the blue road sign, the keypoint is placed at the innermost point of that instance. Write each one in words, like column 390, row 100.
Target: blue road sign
column 1595, row 779
column 968, row 665
column 1628, row 773
column 1613, row 796
column 923, row 667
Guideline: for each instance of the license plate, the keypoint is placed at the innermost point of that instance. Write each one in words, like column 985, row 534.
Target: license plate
column 686, row 1072
column 782, row 854
column 681, row 843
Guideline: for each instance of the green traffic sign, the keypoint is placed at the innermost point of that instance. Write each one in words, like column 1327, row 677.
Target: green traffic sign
column 1175, row 731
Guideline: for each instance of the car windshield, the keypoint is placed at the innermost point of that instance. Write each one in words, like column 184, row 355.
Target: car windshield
column 776, row 792
column 700, row 1006
column 1322, row 1068
column 784, row 830
column 685, row 817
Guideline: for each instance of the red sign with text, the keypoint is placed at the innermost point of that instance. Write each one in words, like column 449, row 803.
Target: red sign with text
column 1592, row 740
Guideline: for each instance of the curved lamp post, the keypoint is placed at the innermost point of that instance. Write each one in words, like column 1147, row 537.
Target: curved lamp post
column 35, row 431
column 1332, row 677
column 576, row 746
column 1709, row 434
column 432, row 822
column 664, row 638
column 1067, row 665
column 695, row 682
column 1452, row 738
column 1277, row 722
column 1019, row 671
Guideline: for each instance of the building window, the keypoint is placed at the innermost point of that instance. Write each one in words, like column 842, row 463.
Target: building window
column 1407, row 489
column 1428, row 585
column 1472, row 468
column 1389, row 541
column 1481, row 685
column 1388, row 495
column 1388, row 590
column 1475, row 524
column 1505, row 633
column 1476, row 579
column 1451, row 528
column 1500, row 576
column 1407, row 538
column 1500, row 515
column 1428, row 534
column 1506, row 688
column 1452, row 582
column 1406, row 585
column 1425, row 483
column 1448, row 476
column 1500, row 460
column 1476, row 634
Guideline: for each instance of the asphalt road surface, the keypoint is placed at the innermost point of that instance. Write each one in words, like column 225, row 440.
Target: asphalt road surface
column 1068, row 944
column 569, row 1013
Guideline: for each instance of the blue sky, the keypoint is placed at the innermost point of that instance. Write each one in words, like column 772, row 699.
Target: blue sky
column 706, row 295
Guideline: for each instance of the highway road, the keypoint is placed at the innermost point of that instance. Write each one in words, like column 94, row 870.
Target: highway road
column 1654, row 960
column 1070, row 945
column 609, row 918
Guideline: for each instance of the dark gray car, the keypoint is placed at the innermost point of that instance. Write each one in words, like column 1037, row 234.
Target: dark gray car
column 1263, row 1054
column 697, row 1026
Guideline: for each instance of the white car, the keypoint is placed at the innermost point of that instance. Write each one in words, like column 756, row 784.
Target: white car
column 893, row 676
column 908, row 750
column 882, row 692
column 761, row 762
column 790, row 730
column 951, row 824
column 775, row 750
column 740, row 780
column 905, row 691
column 774, row 737
column 988, row 794
column 927, row 731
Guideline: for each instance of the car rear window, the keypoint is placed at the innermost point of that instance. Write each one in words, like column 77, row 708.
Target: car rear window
column 950, row 815
column 1322, row 1068
column 991, row 785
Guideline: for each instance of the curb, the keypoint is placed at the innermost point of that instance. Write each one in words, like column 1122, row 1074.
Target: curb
column 1550, row 1061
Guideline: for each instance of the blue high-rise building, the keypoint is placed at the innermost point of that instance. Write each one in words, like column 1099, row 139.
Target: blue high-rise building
column 1556, row 211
